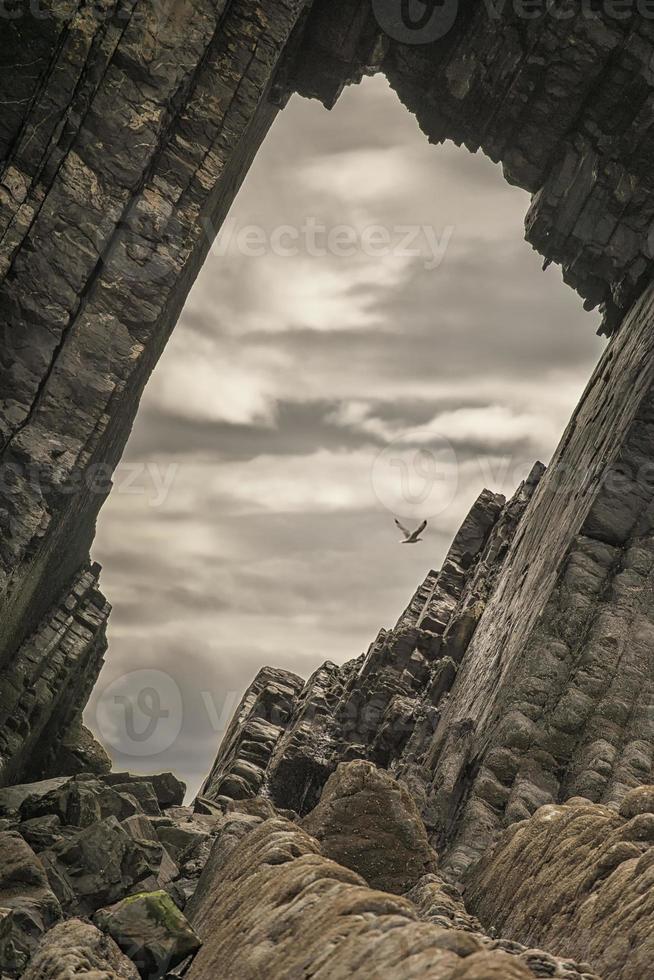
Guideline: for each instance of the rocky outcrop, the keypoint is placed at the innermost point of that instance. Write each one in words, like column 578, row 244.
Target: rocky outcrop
column 77, row 949
column 287, row 737
column 577, row 877
column 80, row 752
column 386, row 706
column 279, row 908
column 101, row 237
column 521, row 673
column 49, row 680
column 180, row 878
column 250, row 740
column 370, row 823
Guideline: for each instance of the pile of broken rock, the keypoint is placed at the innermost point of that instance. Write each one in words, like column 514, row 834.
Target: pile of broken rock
column 110, row 877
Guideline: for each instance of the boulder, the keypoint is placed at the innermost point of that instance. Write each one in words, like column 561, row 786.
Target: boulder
column 28, row 906
column 143, row 793
column 12, row 797
column 41, row 832
column 167, row 788
column 178, row 840
column 79, row 802
column 100, row 865
column 77, row 949
column 141, row 829
column 638, row 802
column 578, row 881
column 151, row 930
column 369, row 822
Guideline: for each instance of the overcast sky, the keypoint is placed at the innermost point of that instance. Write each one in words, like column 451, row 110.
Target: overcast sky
column 316, row 386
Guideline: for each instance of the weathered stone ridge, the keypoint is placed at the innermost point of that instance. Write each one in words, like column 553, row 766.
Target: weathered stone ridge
column 50, row 679
column 137, row 123
column 287, row 737
column 577, row 877
column 279, row 906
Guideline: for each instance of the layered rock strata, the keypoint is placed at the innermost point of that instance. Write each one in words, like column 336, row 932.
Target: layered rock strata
column 287, row 737
column 522, row 673
column 246, row 892
column 44, row 687
column 577, row 877
column 128, row 136
column 558, row 93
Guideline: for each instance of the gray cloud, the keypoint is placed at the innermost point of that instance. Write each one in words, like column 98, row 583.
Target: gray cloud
column 284, row 380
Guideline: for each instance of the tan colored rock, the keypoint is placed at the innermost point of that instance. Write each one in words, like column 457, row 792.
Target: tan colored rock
column 369, row 822
column 578, row 881
column 77, row 949
column 638, row 801
column 277, row 908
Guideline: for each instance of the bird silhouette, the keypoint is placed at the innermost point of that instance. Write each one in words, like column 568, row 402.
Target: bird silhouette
column 411, row 537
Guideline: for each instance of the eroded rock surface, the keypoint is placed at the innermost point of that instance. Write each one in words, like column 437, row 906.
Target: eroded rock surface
column 77, row 949
column 279, row 908
column 578, row 877
column 370, row 823
column 28, row 906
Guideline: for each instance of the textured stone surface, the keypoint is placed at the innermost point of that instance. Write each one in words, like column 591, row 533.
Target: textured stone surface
column 370, row 823
column 287, row 737
column 49, row 679
column 521, row 673
column 562, row 99
column 151, row 930
column 100, row 865
column 77, row 949
column 278, row 908
column 101, row 238
column 579, row 878
column 28, row 906
column 556, row 687
column 80, row 752
column 249, row 741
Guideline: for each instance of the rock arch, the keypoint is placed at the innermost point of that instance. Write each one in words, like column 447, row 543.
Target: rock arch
column 127, row 128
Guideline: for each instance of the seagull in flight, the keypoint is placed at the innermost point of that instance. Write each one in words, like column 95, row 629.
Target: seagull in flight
column 411, row 537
